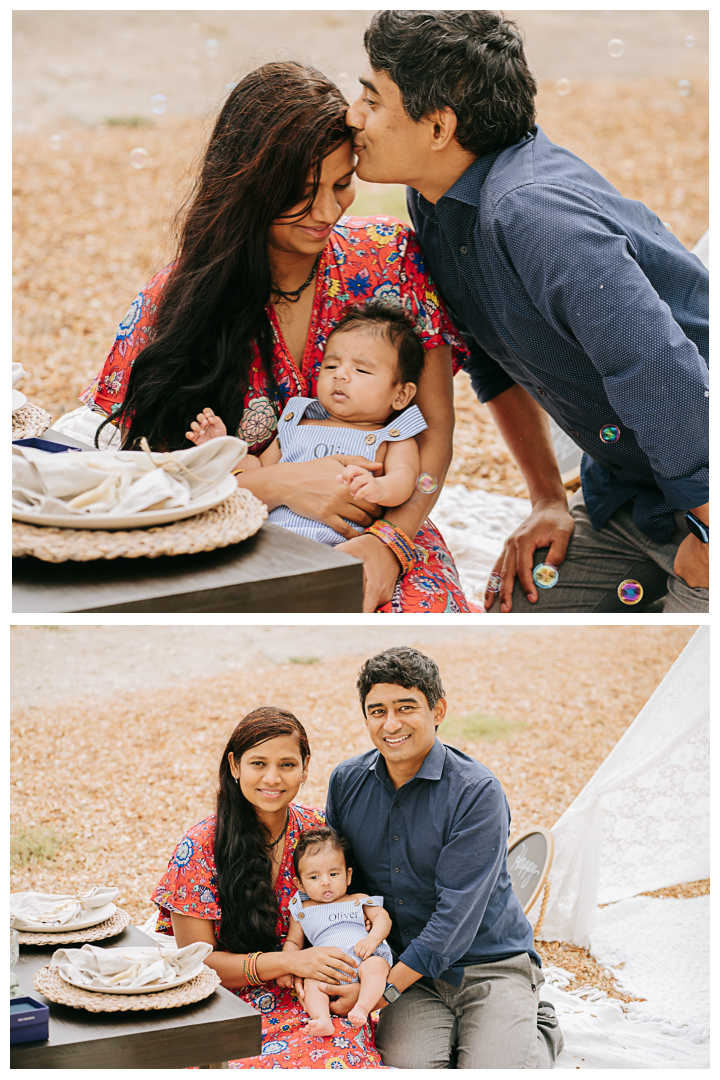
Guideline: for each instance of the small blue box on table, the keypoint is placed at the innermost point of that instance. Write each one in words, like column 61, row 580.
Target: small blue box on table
column 28, row 1020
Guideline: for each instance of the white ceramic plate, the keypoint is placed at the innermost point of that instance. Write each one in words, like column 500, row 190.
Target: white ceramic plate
column 154, row 989
column 133, row 521
column 18, row 400
column 90, row 919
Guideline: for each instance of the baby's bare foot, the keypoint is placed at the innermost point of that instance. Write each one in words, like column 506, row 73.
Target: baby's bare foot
column 357, row 1016
column 320, row 1027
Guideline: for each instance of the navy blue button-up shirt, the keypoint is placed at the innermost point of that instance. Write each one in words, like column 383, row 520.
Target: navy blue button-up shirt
column 436, row 851
column 583, row 297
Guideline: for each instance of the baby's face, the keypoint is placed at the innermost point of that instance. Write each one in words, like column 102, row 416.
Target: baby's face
column 324, row 875
column 358, row 380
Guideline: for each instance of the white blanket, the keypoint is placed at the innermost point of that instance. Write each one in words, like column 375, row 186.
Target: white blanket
column 128, row 968
column 50, row 909
column 120, row 482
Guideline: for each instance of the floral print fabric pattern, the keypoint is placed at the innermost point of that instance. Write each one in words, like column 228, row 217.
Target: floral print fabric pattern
column 189, row 887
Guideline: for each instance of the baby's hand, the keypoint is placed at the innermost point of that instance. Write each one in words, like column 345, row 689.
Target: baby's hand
column 364, row 948
column 362, row 483
column 285, row 980
column 207, row 426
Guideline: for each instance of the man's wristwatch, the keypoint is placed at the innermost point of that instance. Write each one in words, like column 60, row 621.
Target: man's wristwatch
column 391, row 993
column 698, row 528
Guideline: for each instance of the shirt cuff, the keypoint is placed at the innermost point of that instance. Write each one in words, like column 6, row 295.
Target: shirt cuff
column 488, row 384
column 686, row 492
column 430, row 964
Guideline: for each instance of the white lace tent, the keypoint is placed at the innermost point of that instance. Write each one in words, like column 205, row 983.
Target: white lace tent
column 642, row 822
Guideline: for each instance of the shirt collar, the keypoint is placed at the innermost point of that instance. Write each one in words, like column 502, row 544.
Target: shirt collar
column 431, row 768
column 467, row 187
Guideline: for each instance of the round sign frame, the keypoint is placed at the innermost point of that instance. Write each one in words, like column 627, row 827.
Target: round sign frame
column 544, row 869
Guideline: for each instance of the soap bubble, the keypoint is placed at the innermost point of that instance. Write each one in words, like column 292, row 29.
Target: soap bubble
column 668, row 226
column 427, row 483
column 494, row 583
column 139, row 158
column 545, row 575
column 610, row 433
column 212, row 47
column 616, row 48
column 158, row 103
column 55, row 142
column 684, row 87
column 630, row 592
column 563, row 87
column 230, row 86
column 689, row 41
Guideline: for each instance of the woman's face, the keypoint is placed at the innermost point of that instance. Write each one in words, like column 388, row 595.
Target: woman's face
column 308, row 235
column 270, row 773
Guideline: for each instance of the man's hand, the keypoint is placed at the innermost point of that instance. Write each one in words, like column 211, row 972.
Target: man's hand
column 346, row 996
column 380, row 569
column 550, row 525
column 692, row 563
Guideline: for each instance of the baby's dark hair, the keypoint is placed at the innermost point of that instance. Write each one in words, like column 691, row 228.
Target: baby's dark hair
column 396, row 325
column 312, row 839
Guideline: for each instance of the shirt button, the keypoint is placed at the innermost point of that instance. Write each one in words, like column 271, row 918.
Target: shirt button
column 396, row 806
column 463, row 250
column 394, row 432
column 370, row 439
column 289, row 416
column 401, row 902
column 397, row 869
column 540, row 391
column 396, row 837
column 574, row 432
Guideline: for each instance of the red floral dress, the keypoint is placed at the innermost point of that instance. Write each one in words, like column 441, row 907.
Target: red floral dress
column 189, row 887
column 365, row 257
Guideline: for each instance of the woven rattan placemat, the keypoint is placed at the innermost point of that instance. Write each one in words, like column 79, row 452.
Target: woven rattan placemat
column 50, row 983
column 234, row 519
column 109, row 928
column 30, row 420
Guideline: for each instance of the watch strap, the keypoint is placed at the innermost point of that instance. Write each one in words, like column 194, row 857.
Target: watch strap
column 697, row 527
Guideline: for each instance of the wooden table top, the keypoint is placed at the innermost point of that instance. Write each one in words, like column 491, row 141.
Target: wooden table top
column 273, row 571
column 220, row 1028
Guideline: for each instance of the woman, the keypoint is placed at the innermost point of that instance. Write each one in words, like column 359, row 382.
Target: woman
column 239, row 321
column 229, row 883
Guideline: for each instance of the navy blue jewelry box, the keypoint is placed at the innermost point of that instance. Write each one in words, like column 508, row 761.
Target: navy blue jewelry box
column 28, row 1020
column 44, row 444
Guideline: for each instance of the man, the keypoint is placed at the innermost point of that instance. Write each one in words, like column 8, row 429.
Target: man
column 428, row 828
column 574, row 301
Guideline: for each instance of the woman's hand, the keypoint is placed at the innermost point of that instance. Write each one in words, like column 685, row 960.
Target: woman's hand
column 326, row 964
column 311, row 489
column 380, row 569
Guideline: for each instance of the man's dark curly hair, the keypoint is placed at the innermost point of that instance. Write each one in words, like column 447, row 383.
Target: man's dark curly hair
column 472, row 62
column 401, row 666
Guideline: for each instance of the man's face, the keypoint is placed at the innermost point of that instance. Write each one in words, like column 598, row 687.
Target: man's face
column 402, row 724
column 391, row 148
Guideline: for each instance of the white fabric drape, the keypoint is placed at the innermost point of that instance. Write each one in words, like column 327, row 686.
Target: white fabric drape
column 642, row 822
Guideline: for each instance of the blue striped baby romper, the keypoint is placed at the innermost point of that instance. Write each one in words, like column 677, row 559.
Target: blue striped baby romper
column 309, row 442
column 341, row 924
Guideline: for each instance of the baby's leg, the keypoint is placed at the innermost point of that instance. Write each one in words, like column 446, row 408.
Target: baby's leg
column 372, row 974
column 317, row 1006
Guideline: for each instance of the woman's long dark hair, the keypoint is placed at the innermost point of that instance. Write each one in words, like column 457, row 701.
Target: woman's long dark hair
column 274, row 131
column 244, row 869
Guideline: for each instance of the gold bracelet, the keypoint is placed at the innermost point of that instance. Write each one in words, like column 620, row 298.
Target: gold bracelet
column 236, row 472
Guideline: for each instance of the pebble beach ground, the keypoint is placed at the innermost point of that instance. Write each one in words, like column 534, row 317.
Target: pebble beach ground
column 117, row 731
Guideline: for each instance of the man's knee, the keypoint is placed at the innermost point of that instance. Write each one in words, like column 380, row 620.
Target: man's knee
column 415, row 1033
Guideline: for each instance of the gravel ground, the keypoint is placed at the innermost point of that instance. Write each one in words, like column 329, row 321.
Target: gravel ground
column 117, row 731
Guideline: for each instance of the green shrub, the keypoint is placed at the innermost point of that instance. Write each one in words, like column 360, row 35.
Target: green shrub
column 34, row 843
column 478, row 725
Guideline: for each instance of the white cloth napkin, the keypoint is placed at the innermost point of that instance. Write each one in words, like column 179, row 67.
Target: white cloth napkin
column 128, row 968
column 48, row 909
column 120, row 482
column 17, row 373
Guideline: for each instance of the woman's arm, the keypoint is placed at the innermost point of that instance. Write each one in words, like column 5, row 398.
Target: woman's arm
column 435, row 401
column 316, row 963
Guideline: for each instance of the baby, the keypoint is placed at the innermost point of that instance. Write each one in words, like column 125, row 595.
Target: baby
column 369, row 374
column 330, row 915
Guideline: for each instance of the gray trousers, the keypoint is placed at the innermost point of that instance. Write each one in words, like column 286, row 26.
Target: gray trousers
column 597, row 562
column 493, row 1020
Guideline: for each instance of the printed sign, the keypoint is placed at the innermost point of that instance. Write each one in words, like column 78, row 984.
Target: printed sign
column 526, row 862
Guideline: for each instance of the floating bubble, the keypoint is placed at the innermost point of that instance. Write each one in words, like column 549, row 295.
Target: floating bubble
column 494, row 583
column 609, row 433
column 630, row 592
column 689, row 41
column 427, row 483
column 545, row 575
column 668, row 226
column 139, row 158
column 55, row 142
column 616, row 47
column 158, row 104
column 684, row 87
column 230, row 86
column 707, row 393
column 563, row 87
column 212, row 47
